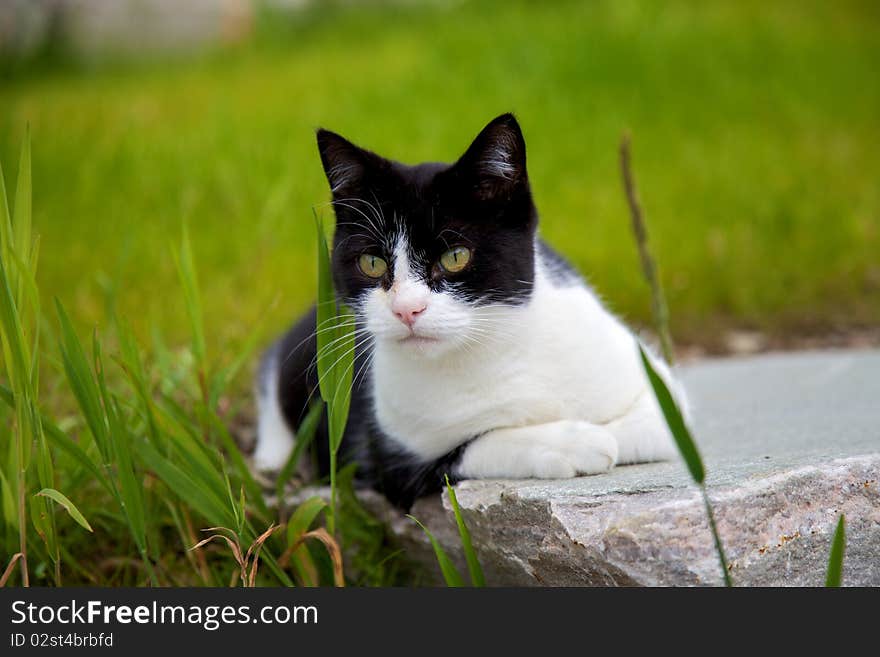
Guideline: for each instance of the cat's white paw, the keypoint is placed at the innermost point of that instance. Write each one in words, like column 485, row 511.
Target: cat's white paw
column 556, row 450
column 271, row 455
column 275, row 440
column 569, row 448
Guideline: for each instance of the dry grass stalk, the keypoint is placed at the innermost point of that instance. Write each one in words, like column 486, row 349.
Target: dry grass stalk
column 332, row 546
column 649, row 267
column 10, row 568
column 248, row 562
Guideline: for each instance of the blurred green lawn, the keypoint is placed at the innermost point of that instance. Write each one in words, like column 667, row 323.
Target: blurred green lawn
column 756, row 131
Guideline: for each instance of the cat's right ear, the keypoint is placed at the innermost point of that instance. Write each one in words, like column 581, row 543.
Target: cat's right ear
column 495, row 163
column 345, row 164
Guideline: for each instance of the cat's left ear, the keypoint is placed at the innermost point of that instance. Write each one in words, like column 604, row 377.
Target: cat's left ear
column 495, row 163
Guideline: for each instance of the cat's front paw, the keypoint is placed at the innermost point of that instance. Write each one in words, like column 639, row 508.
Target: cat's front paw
column 569, row 448
column 271, row 455
column 555, row 450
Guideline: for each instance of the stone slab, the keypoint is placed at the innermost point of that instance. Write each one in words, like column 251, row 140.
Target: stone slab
column 790, row 441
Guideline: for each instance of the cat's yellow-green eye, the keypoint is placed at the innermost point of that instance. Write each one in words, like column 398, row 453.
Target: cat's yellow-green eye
column 372, row 266
column 455, row 259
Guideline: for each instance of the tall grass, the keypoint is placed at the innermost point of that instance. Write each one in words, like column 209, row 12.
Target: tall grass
column 335, row 360
column 689, row 452
column 20, row 317
column 133, row 461
column 447, row 568
column 671, row 413
column 687, row 447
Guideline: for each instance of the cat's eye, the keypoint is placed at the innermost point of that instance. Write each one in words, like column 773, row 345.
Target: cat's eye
column 372, row 266
column 455, row 259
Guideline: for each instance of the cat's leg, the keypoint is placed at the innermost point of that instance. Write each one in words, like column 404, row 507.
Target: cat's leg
column 556, row 450
column 284, row 387
column 275, row 440
column 642, row 435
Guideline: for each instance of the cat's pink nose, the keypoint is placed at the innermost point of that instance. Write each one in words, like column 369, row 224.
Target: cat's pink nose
column 407, row 311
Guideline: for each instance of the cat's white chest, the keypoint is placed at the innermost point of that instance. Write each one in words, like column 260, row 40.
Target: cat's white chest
column 562, row 357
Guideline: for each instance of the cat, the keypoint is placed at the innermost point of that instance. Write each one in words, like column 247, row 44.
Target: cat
column 481, row 353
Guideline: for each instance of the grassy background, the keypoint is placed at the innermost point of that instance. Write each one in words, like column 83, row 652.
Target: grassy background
column 756, row 142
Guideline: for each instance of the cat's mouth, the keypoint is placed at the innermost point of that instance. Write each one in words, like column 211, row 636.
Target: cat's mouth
column 418, row 340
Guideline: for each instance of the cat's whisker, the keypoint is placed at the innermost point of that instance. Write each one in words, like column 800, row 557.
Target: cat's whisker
column 363, row 369
column 375, row 212
column 371, row 226
column 342, row 378
column 350, row 237
column 450, row 230
column 379, row 212
column 315, row 333
column 345, row 354
column 311, row 367
column 332, row 348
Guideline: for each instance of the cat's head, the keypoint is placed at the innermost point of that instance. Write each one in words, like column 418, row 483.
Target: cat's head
column 431, row 256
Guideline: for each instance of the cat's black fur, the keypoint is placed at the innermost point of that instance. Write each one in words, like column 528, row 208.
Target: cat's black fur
column 437, row 205
column 484, row 202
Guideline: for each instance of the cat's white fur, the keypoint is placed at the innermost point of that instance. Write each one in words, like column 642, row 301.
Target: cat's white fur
column 552, row 388
column 275, row 439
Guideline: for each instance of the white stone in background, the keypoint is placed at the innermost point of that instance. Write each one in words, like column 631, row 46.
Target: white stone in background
column 155, row 25
column 123, row 26
column 745, row 342
column 24, row 25
column 790, row 442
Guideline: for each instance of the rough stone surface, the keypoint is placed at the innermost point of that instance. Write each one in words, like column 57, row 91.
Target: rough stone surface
column 790, row 442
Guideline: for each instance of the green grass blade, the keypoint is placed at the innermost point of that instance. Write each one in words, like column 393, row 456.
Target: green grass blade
column 119, row 443
column 15, row 348
column 169, row 409
column 335, row 344
column 326, row 318
column 470, row 555
column 5, row 217
column 184, row 441
column 203, row 466
column 184, row 446
column 22, row 272
column 61, row 441
column 335, row 360
column 675, row 422
column 8, row 502
column 303, row 518
column 68, row 506
column 132, row 365
column 214, row 510
column 82, row 383
column 221, row 380
column 688, row 449
column 343, row 363
column 187, row 272
column 300, row 558
column 450, row 574
column 835, row 559
column 241, row 469
column 21, row 218
column 719, row 548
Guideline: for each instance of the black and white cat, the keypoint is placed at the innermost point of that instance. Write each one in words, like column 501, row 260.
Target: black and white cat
column 481, row 352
